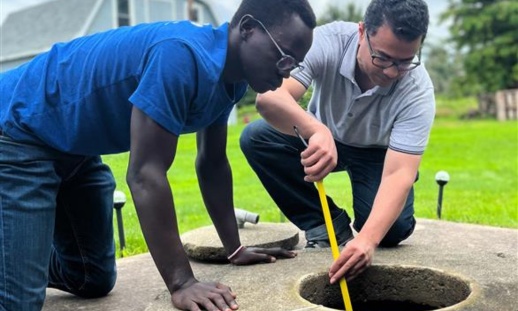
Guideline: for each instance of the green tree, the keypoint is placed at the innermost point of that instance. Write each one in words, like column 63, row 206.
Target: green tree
column 334, row 13
column 487, row 31
column 444, row 64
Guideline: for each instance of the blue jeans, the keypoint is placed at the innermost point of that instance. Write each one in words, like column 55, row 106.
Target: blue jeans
column 56, row 227
column 275, row 158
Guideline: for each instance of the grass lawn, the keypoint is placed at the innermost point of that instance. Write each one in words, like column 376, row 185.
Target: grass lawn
column 481, row 157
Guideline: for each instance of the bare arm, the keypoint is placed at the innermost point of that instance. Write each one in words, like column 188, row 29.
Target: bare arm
column 281, row 110
column 152, row 153
column 399, row 174
column 215, row 180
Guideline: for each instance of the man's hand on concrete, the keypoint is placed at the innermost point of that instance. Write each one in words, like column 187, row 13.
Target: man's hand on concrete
column 253, row 255
column 199, row 296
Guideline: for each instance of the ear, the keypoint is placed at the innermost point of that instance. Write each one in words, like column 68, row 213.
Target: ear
column 361, row 30
column 246, row 26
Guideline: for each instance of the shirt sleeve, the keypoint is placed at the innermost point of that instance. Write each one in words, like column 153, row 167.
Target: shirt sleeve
column 314, row 61
column 411, row 129
column 167, row 84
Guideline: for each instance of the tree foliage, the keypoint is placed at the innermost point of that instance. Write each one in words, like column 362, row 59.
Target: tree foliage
column 350, row 13
column 487, row 30
column 443, row 66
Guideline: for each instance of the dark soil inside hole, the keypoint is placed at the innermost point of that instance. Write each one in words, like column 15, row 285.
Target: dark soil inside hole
column 387, row 306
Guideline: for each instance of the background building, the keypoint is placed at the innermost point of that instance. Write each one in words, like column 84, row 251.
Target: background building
column 33, row 30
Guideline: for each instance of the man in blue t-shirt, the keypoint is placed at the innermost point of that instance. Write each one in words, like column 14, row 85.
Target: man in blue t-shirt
column 133, row 89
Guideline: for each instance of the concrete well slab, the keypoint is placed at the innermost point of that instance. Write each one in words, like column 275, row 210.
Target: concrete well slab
column 486, row 257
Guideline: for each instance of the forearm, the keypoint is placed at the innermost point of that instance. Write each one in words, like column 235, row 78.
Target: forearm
column 215, row 180
column 282, row 111
column 155, row 208
column 388, row 204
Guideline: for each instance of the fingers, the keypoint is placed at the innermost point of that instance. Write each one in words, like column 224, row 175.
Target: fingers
column 253, row 259
column 225, row 298
column 350, row 264
column 276, row 252
column 340, row 267
column 255, row 255
column 194, row 307
column 205, row 296
column 228, row 295
column 317, row 177
column 264, row 257
column 217, row 304
column 317, row 164
column 228, row 289
column 355, row 270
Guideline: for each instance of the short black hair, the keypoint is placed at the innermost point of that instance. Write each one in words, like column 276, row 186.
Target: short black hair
column 275, row 12
column 408, row 19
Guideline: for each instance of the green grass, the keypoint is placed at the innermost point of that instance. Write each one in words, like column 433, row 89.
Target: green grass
column 481, row 157
column 482, row 160
column 453, row 109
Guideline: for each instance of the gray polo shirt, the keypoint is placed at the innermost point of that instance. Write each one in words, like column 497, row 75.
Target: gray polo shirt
column 398, row 117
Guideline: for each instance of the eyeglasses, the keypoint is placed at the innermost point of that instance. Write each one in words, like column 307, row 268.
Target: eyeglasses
column 384, row 63
column 287, row 62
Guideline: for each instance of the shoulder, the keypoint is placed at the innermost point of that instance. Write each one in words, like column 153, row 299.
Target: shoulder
column 203, row 44
column 202, row 36
column 335, row 38
column 197, row 36
column 338, row 30
column 416, row 81
column 331, row 42
column 416, row 92
column 209, row 46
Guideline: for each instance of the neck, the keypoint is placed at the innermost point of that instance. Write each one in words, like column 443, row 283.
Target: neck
column 364, row 82
column 232, row 72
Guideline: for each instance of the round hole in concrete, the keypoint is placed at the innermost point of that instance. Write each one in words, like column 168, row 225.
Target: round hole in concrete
column 383, row 288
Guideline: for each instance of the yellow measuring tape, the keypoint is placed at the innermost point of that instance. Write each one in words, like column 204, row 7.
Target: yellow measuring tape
column 332, row 240
column 330, row 232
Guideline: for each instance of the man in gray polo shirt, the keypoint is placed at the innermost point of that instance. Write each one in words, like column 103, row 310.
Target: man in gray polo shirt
column 370, row 114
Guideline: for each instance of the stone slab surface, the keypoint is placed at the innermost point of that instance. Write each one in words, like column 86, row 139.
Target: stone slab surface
column 204, row 244
column 485, row 256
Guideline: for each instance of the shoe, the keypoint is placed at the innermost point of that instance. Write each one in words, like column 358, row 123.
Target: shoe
column 325, row 243
column 317, row 244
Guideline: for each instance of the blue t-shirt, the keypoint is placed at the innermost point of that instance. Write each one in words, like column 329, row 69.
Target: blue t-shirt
column 78, row 97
